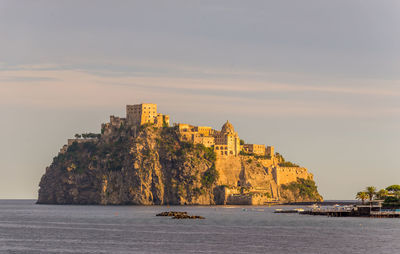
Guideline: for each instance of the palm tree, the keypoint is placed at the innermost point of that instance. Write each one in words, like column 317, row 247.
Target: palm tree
column 371, row 191
column 381, row 194
column 362, row 195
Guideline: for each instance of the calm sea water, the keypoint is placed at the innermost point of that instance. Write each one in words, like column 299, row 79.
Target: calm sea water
column 29, row 228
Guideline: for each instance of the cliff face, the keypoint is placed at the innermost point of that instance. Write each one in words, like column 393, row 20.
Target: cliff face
column 154, row 167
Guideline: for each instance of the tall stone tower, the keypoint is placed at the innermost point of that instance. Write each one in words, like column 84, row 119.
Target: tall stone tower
column 141, row 113
column 145, row 113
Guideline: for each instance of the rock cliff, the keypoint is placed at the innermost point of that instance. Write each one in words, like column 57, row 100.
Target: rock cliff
column 151, row 166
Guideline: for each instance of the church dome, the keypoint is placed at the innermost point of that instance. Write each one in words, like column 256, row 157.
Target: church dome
column 227, row 128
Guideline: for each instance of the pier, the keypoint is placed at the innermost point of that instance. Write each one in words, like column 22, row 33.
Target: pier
column 373, row 210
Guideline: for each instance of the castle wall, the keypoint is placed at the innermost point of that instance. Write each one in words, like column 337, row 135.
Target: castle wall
column 229, row 170
column 285, row 175
column 238, row 199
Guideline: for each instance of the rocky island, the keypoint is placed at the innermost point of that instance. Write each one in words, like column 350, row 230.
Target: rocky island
column 142, row 160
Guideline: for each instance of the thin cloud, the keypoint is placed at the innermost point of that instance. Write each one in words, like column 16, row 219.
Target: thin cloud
column 79, row 88
column 243, row 84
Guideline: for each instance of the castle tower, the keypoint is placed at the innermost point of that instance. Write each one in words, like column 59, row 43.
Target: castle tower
column 140, row 114
column 145, row 113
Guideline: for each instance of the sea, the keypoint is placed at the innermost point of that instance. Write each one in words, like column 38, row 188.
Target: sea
column 26, row 227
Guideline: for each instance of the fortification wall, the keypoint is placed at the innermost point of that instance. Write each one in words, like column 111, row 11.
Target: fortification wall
column 229, row 169
column 247, row 199
column 285, row 175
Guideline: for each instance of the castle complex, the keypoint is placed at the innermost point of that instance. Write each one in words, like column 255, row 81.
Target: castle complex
column 243, row 173
column 225, row 142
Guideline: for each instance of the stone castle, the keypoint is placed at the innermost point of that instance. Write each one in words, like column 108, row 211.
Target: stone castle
column 252, row 167
column 140, row 114
column 225, row 142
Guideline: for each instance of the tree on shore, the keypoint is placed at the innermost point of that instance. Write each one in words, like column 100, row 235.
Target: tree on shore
column 393, row 188
column 381, row 194
column 371, row 191
column 362, row 195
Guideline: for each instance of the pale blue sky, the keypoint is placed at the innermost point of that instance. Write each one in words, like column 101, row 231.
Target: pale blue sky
column 319, row 80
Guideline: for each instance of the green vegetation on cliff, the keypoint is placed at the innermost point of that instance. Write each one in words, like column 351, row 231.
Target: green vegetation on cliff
column 283, row 162
column 303, row 188
column 150, row 165
column 256, row 156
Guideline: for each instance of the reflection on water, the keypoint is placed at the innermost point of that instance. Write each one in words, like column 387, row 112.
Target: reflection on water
column 29, row 228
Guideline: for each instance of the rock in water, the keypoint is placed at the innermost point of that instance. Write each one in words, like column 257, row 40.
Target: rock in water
column 172, row 214
column 185, row 216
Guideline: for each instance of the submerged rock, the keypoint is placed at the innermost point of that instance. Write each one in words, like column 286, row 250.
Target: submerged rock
column 179, row 215
column 185, row 216
column 172, row 214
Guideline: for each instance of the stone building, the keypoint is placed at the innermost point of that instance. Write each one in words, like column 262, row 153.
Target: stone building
column 145, row 113
column 204, row 131
column 196, row 134
column 254, row 148
column 227, row 142
column 186, row 131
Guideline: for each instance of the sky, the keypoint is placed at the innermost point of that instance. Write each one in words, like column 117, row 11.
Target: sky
column 319, row 80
